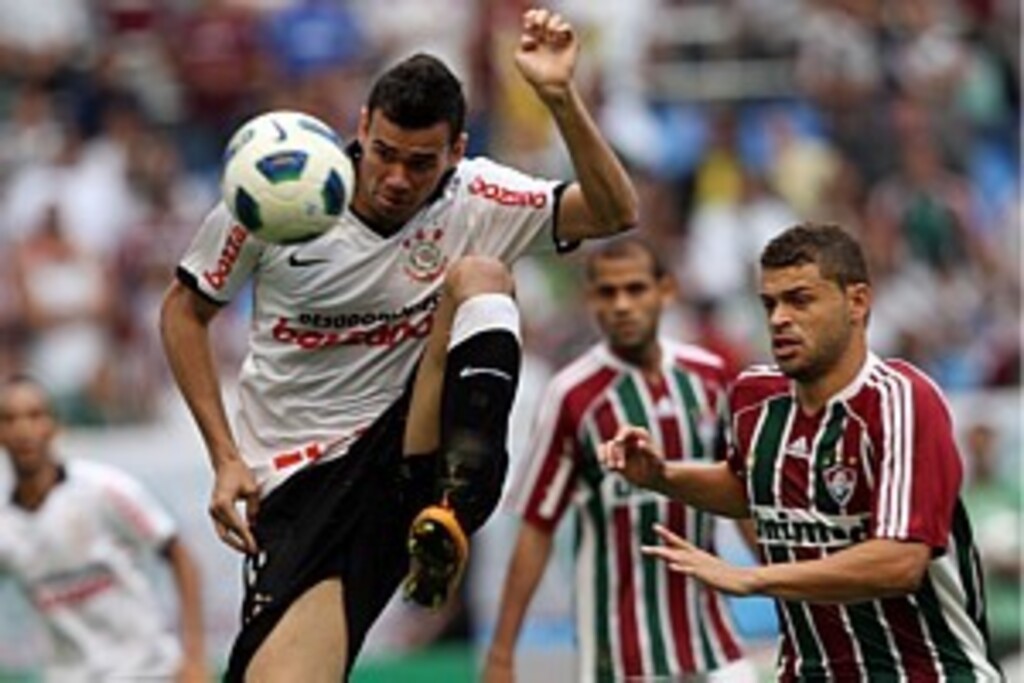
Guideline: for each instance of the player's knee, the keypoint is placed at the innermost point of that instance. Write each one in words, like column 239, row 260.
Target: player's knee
column 473, row 275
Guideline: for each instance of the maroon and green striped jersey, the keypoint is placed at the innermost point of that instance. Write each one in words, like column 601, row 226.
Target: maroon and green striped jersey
column 879, row 461
column 634, row 618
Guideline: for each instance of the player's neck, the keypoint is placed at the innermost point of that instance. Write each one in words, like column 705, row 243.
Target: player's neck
column 646, row 358
column 815, row 394
column 31, row 490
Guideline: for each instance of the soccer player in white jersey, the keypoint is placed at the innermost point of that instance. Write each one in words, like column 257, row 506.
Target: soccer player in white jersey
column 414, row 275
column 635, row 619
column 848, row 465
column 72, row 535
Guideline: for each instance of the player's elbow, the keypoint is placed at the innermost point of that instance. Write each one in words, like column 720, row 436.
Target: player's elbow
column 906, row 570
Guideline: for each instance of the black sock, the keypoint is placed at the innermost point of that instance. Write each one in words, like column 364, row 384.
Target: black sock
column 481, row 377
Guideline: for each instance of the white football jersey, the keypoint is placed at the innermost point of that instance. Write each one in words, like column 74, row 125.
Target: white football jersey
column 78, row 559
column 339, row 322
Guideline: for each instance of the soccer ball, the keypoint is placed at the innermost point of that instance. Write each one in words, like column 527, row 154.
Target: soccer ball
column 286, row 176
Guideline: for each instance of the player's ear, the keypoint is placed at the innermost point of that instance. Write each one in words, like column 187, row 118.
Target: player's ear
column 858, row 297
column 668, row 287
column 459, row 147
column 363, row 132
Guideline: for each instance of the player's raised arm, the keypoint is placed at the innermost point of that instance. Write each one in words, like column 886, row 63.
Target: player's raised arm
column 603, row 201
column 710, row 487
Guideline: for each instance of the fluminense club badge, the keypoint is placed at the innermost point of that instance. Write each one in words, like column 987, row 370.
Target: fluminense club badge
column 840, row 480
column 424, row 259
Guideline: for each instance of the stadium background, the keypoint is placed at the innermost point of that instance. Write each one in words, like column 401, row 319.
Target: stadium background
column 899, row 120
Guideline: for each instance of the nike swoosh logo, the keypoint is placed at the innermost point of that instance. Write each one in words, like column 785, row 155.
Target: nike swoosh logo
column 469, row 372
column 281, row 135
column 296, row 262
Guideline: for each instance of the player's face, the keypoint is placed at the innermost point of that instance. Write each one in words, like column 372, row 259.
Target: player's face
column 626, row 300
column 400, row 167
column 812, row 320
column 27, row 427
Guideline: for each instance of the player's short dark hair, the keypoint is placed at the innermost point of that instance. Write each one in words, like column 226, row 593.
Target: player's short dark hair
column 23, row 379
column 837, row 253
column 420, row 92
column 622, row 247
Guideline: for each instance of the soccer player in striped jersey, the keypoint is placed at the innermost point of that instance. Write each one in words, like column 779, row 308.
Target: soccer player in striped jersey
column 73, row 536
column 847, row 464
column 635, row 619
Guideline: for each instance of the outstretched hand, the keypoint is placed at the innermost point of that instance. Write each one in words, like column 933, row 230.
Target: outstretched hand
column 547, row 52
column 632, row 454
column 682, row 556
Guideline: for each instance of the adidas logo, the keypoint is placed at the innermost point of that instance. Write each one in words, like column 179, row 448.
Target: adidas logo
column 799, row 448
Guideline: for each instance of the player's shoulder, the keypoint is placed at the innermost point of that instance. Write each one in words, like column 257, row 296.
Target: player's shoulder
column 578, row 371
column 896, row 374
column 97, row 475
column 757, row 384
column 692, row 357
column 482, row 179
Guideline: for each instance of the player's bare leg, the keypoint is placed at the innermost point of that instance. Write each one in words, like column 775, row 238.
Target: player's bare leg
column 309, row 643
column 471, row 459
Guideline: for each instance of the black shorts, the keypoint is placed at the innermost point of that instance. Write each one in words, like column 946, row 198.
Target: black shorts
column 346, row 518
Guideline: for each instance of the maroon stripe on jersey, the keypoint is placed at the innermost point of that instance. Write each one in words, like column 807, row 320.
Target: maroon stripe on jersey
column 632, row 661
column 796, row 465
column 579, row 398
column 905, row 625
column 604, row 418
column 672, row 441
column 723, row 634
column 575, row 402
column 839, row 653
column 678, row 610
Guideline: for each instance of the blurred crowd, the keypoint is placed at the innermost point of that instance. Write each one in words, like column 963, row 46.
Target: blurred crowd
column 898, row 120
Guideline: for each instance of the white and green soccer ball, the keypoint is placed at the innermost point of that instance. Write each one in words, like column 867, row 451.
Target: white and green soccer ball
column 286, row 176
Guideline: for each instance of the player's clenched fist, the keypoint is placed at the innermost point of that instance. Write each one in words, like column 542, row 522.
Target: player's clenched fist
column 632, row 454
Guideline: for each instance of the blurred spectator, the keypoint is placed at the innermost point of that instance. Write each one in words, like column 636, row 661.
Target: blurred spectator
column 147, row 256
column 801, row 165
column 67, row 301
column 220, row 65
column 318, row 55
column 993, row 500
column 44, row 40
column 923, row 211
column 725, row 238
column 86, row 181
column 32, row 134
column 136, row 54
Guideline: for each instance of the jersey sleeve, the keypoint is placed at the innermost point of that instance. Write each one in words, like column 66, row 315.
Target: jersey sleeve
column 551, row 466
column 133, row 513
column 220, row 258
column 920, row 470
column 511, row 213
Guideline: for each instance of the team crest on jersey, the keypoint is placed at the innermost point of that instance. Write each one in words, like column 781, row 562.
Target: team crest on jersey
column 840, row 480
column 424, row 259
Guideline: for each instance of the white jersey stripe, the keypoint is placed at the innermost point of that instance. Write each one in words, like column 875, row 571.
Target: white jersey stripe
column 586, row 614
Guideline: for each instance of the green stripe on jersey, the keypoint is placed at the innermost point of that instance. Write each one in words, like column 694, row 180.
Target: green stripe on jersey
column 954, row 661
column 806, row 645
column 653, row 598
column 692, row 409
column 629, row 396
column 825, row 457
column 873, row 641
column 766, row 449
column 601, row 595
